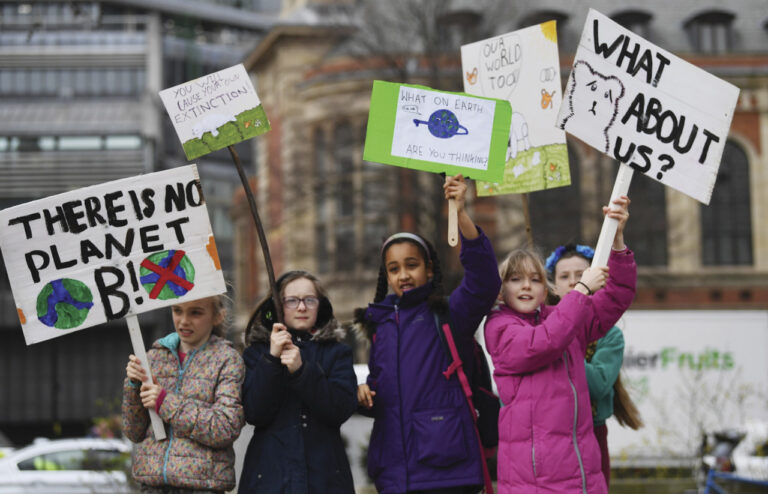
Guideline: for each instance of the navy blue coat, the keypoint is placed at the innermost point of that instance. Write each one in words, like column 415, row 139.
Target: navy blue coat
column 296, row 446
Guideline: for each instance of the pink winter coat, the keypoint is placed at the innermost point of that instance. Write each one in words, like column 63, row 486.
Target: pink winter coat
column 546, row 441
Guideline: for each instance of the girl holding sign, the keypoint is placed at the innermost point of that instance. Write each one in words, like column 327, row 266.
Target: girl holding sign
column 546, row 440
column 299, row 388
column 198, row 377
column 423, row 437
column 604, row 356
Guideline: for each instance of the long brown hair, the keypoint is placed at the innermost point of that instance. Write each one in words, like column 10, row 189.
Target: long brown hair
column 624, row 408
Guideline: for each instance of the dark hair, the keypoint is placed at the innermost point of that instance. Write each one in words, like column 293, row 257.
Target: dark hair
column 265, row 314
column 436, row 300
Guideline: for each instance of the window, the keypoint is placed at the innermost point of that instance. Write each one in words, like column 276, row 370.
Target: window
column 635, row 20
column 726, row 224
column 555, row 213
column 647, row 232
column 319, row 151
column 711, row 32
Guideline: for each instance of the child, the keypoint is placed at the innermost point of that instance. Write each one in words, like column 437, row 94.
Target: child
column 423, row 437
column 546, row 442
column 604, row 356
column 198, row 376
column 300, row 386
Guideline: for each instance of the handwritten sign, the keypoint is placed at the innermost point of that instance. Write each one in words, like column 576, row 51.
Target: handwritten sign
column 215, row 111
column 437, row 131
column 647, row 108
column 100, row 253
column 523, row 67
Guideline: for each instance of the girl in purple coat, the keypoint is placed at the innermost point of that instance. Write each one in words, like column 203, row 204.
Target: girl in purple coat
column 546, row 440
column 423, row 437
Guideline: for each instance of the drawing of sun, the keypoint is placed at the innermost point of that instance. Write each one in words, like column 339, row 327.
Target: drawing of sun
column 549, row 29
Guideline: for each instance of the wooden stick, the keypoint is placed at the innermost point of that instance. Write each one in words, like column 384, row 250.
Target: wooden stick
column 453, row 223
column 260, row 231
column 527, row 216
column 605, row 241
column 141, row 353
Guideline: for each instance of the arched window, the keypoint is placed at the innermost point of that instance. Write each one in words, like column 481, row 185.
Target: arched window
column 556, row 213
column 319, row 155
column 646, row 234
column 726, row 224
column 344, row 160
column 711, row 32
column 635, row 20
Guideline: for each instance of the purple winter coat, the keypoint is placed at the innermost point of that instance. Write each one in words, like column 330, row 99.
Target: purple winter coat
column 423, row 436
column 546, row 440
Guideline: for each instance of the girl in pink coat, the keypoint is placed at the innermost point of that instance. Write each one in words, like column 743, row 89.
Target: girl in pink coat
column 546, row 442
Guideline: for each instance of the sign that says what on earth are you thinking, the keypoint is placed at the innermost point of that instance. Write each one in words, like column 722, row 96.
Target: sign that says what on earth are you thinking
column 215, row 111
column 523, row 68
column 100, row 253
column 648, row 108
column 437, row 131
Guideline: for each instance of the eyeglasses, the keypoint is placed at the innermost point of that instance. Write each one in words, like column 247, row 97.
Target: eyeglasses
column 293, row 302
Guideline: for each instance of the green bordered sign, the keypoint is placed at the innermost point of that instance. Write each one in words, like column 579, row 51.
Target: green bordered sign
column 215, row 111
column 436, row 131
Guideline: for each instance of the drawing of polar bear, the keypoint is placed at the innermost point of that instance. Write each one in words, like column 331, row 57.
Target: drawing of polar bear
column 211, row 123
column 593, row 96
column 518, row 131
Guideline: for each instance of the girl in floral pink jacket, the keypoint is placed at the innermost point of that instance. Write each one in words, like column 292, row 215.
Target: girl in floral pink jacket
column 197, row 394
column 546, row 441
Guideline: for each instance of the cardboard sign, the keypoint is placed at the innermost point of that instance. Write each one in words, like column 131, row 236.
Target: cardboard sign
column 437, row 131
column 100, row 253
column 648, row 108
column 523, row 67
column 215, row 111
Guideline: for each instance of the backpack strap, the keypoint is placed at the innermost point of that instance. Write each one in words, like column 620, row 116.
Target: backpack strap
column 446, row 338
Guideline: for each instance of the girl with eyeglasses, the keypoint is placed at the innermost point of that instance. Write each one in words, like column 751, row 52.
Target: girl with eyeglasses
column 300, row 386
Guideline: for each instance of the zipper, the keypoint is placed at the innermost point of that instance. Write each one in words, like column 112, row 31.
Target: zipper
column 400, row 392
column 182, row 370
column 575, row 423
column 533, row 453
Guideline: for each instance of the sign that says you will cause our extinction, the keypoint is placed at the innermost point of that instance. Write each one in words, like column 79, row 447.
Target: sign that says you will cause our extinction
column 96, row 254
column 215, row 111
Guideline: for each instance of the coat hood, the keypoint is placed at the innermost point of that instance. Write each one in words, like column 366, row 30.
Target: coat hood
column 332, row 331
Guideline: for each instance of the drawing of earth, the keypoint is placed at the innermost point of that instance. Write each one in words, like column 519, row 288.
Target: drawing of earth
column 175, row 281
column 443, row 124
column 64, row 303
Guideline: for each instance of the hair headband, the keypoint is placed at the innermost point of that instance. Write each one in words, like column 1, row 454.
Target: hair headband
column 554, row 257
column 406, row 236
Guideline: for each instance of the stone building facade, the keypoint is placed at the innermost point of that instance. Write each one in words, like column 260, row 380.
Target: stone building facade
column 327, row 209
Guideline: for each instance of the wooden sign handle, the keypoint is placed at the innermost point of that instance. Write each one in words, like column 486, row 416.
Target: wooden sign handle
column 453, row 223
column 141, row 353
column 605, row 241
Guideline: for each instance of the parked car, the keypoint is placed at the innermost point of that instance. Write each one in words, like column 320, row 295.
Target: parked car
column 58, row 466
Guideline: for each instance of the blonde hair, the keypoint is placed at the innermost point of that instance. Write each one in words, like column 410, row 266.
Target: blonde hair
column 220, row 304
column 521, row 261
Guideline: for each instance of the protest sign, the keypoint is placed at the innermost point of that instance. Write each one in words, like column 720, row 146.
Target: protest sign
column 215, row 111
column 647, row 108
column 523, row 67
column 437, row 131
column 108, row 251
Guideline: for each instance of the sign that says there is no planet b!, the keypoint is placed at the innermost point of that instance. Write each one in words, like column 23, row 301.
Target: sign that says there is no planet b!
column 215, row 111
column 100, row 253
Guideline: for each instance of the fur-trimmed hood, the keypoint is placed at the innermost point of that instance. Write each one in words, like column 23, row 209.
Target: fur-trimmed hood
column 332, row 331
